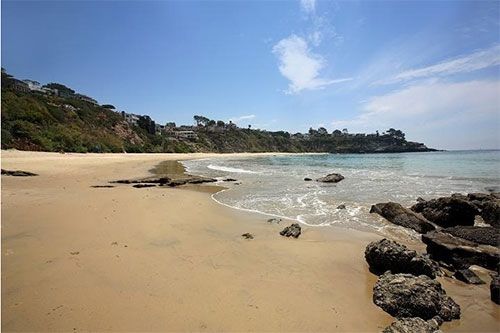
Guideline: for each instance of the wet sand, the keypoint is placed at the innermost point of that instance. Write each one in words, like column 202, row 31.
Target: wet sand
column 77, row 258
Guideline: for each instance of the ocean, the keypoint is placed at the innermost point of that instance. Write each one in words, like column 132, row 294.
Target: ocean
column 274, row 185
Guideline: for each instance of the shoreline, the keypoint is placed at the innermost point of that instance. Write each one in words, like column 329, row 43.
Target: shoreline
column 173, row 259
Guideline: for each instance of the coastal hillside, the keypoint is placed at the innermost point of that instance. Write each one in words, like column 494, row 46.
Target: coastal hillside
column 54, row 117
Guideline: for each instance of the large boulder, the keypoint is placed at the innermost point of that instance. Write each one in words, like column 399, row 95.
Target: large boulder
column 402, row 216
column 413, row 325
column 386, row 255
column 480, row 235
column 331, row 178
column 490, row 212
column 406, row 295
column 459, row 252
column 292, row 230
column 495, row 288
column 447, row 211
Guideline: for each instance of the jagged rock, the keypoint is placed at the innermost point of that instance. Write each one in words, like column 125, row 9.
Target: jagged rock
column 292, row 230
column 274, row 220
column 18, row 173
column 143, row 185
column 447, row 211
column 495, row 288
column 412, row 325
column 490, row 212
column 406, row 295
column 480, row 235
column 467, row 276
column 460, row 252
column 307, row 179
column 386, row 255
column 402, row 216
column 247, row 236
column 331, row 178
column 342, row 206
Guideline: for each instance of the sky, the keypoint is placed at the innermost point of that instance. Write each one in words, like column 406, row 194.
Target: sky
column 431, row 69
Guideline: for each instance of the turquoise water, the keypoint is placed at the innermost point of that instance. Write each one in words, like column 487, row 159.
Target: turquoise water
column 274, row 185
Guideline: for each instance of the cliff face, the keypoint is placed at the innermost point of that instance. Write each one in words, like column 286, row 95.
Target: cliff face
column 63, row 122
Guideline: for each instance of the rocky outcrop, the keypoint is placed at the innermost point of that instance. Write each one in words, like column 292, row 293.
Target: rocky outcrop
column 490, row 212
column 402, row 216
column 148, row 180
column 459, row 252
column 18, row 173
column 331, row 178
column 229, row 180
column 386, row 255
column 413, row 325
column 292, row 230
column 447, row 211
column 406, row 295
column 467, row 276
column 495, row 288
column 342, row 206
column 162, row 181
column 480, row 235
column 307, row 179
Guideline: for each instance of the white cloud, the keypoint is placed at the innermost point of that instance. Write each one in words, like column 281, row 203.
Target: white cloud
column 439, row 113
column 308, row 6
column 464, row 64
column 301, row 66
column 240, row 118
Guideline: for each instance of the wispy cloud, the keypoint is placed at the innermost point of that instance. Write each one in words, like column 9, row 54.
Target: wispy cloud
column 300, row 65
column 436, row 111
column 467, row 63
column 308, row 6
column 240, row 118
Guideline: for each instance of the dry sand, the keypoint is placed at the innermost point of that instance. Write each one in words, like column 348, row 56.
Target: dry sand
column 77, row 258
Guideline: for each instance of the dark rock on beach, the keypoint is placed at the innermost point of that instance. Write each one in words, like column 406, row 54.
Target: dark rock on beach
column 468, row 276
column 331, row 178
column 413, row 325
column 447, row 211
column 161, row 181
column 480, row 235
column 495, row 288
column 459, row 252
column 307, row 179
column 402, row 216
column 406, row 295
column 177, row 182
column 143, row 185
column 247, row 236
column 102, row 186
column 342, row 206
column 274, row 220
column 18, row 173
column 490, row 212
column 292, row 230
column 229, row 180
column 386, row 255
column 200, row 180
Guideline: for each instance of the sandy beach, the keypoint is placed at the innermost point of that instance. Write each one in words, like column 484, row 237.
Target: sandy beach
column 78, row 258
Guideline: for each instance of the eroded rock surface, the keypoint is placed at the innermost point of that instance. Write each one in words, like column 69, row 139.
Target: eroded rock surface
column 447, row 211
column 412, row 325
column 406, row 295
column 386, row 255
column 402, row 216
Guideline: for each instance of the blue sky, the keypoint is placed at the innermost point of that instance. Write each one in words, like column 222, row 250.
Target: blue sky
column 428, row 68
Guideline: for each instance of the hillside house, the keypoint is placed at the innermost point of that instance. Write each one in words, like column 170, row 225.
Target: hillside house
column 86, row 99
column 190, row 135
column 130, row 118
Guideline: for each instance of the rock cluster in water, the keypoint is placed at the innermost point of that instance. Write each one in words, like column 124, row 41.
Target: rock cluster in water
column 453, row 239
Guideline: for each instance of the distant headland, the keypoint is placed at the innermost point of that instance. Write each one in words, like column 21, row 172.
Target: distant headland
column 53, row 117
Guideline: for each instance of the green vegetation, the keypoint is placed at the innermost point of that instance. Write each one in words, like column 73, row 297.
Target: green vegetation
column 32, row 120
